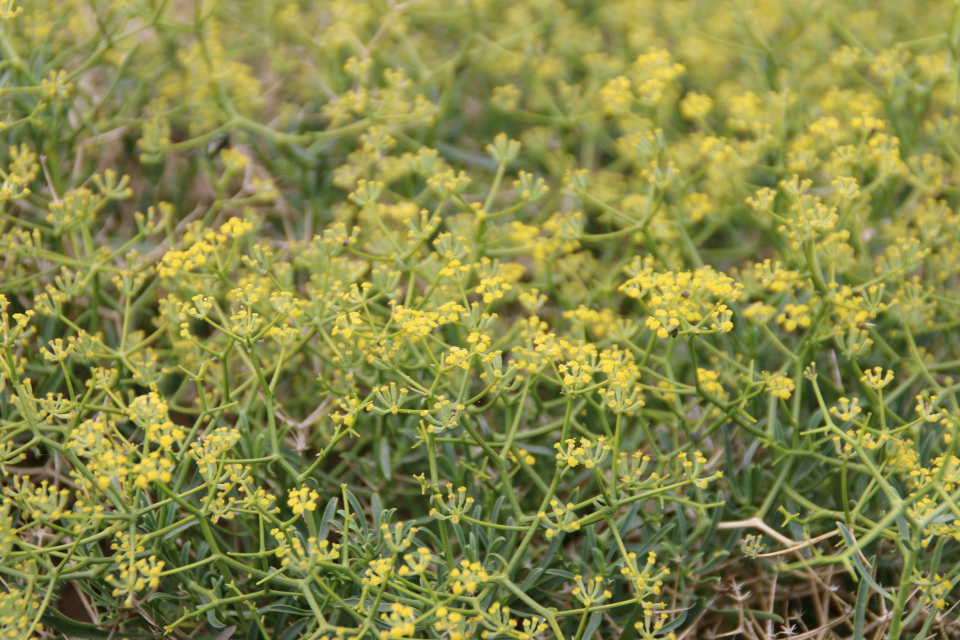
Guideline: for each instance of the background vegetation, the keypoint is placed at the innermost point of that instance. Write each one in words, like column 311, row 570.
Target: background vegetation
column 435, row 319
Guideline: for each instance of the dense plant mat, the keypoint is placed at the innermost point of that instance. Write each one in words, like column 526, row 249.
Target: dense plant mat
column 482, row 319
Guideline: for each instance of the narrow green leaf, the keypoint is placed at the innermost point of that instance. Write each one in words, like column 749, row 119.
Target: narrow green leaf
column 863, row 595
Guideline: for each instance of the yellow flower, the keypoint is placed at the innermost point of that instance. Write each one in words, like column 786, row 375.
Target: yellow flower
column 302, row 499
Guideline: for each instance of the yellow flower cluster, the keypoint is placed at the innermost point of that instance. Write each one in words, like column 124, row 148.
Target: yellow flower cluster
column 688, row 301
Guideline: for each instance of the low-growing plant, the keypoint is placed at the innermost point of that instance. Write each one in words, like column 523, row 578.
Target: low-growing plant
column 433, row 319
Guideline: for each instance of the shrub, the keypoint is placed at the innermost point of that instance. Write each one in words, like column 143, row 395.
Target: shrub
column 490, row 319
